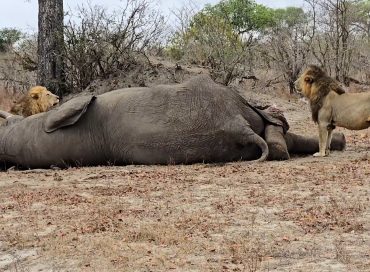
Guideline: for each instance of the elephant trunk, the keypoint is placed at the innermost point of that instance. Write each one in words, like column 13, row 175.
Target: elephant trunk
column 308, row 145
column 338, row 142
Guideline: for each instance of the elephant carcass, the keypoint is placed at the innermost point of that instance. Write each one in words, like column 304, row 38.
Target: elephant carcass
column 197, row 121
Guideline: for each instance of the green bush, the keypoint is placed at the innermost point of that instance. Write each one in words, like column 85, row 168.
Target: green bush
column 8, row 37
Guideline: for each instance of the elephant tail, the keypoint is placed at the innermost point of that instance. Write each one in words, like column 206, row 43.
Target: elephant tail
column 264, row 148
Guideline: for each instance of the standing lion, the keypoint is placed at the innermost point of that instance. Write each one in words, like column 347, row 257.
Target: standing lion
column 331, row 106
column 37, row 99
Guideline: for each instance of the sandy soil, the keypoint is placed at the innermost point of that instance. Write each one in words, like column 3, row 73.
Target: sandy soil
column 305, row 214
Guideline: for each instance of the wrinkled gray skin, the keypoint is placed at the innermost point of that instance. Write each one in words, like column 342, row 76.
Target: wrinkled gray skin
column 197, row 121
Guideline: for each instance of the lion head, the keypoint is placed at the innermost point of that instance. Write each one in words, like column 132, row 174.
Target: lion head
column 38, row 99
column 315, row 84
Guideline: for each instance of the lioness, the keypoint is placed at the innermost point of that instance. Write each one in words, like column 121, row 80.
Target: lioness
column 37, row 99
column 331, row 106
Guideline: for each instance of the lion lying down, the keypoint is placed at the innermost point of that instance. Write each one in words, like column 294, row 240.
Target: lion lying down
column 37, row 99
column 331, row 106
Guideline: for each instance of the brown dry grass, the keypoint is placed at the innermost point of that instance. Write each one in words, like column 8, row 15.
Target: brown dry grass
column 305, row 214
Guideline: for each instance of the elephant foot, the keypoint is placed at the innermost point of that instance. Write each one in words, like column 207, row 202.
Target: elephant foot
column 278, row 149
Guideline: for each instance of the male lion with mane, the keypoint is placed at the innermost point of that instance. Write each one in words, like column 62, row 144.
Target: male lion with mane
column 331, row 106
column 37, row 99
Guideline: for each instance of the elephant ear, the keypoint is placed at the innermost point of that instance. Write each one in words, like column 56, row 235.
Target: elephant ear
column 68, row 113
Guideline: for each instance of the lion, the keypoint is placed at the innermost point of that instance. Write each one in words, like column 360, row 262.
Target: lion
column 37, row 99
column 331, row 106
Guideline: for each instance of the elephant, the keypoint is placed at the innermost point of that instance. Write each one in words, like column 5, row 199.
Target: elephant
column 192, row 122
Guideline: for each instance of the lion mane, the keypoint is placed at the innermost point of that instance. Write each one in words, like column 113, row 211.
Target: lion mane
column 37, row 99
column 315, row 84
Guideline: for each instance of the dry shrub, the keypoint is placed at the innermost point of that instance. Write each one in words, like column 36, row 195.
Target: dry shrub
column 158, row 233
column 14, row 79
column 18, row 65
column 247, row 252
column 335, row 215
column 5, row 100
column 341, row 253
column 101, row 44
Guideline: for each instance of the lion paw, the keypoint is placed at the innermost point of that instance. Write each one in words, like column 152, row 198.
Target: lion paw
column 318, row 154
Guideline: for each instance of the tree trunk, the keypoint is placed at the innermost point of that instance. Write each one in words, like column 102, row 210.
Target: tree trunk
column 50, row 46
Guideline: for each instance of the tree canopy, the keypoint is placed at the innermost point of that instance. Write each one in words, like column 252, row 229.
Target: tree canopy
column 8, row 37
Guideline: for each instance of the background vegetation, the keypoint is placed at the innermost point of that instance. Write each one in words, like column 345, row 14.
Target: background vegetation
column 235, row 39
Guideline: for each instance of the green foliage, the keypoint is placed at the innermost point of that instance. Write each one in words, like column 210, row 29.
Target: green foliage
column 204, row 25
column 238, row 13
column 244, row 15
column 289, row 17
column 365, row 4
column 363, row 11
column 263, row 17
column 8, row 37
column 175, row 49
column 219, row 36
column 212, row 41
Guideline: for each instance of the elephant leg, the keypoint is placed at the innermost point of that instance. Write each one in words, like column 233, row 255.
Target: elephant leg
column 241, row 132
column 298, row 144
column 274, row 136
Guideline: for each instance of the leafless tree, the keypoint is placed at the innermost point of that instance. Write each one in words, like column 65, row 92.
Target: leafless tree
column 103, row 43
column 288, row 44
column 183, row 16
column 334, row 42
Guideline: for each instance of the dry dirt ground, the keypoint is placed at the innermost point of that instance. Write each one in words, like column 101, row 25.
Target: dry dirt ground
column 305, row 214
